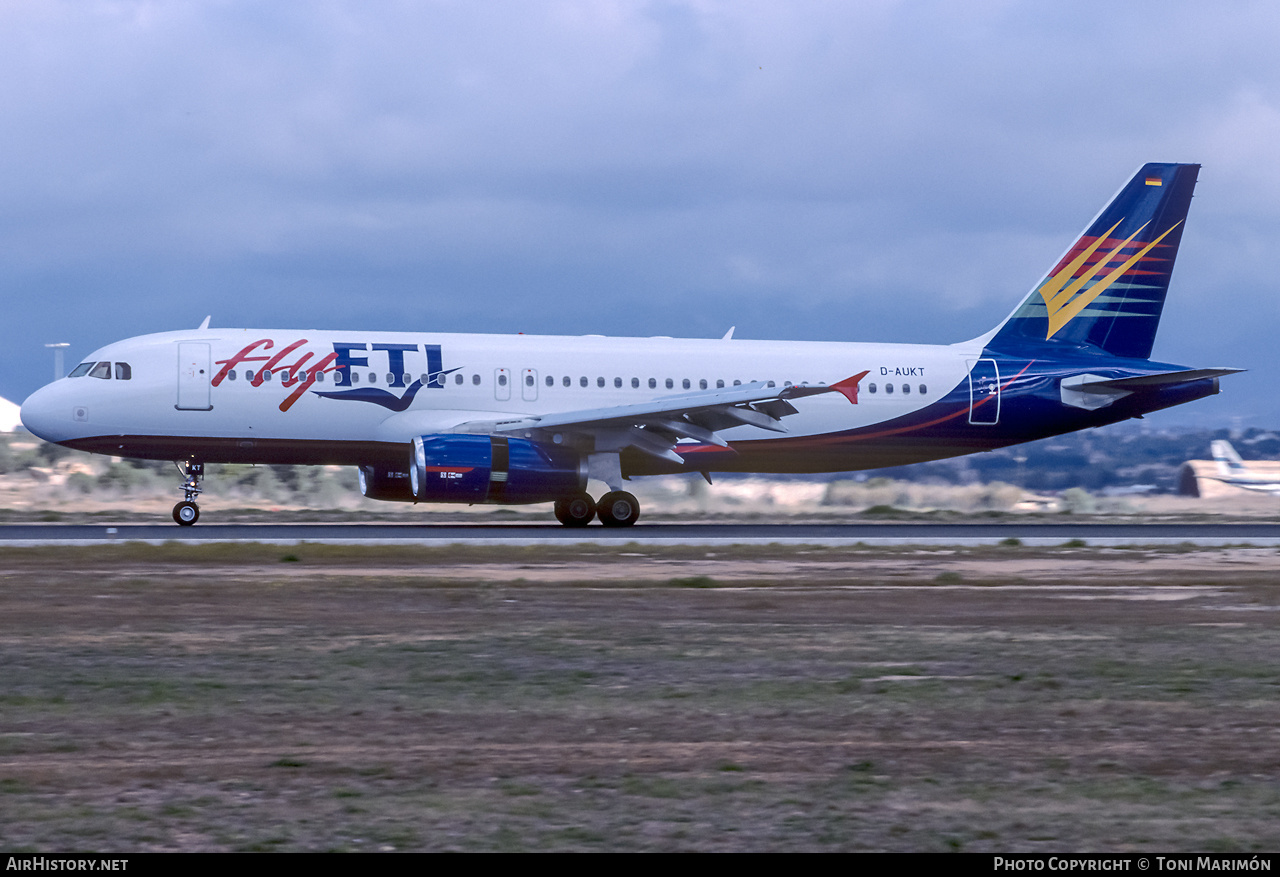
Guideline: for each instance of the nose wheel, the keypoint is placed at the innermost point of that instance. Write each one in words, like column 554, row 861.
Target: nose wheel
column 187, row 512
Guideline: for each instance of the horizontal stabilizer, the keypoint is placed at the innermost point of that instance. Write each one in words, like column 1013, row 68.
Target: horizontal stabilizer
column 1092, row 392
column 1163, row 379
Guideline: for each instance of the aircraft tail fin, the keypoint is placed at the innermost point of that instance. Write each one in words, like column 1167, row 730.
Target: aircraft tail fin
column 1108, row 289
column 1229, row 462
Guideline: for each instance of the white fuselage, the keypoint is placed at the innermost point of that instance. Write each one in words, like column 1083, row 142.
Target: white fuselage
column 180, row 386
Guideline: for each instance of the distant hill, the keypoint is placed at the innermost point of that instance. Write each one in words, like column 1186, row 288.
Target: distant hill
column 1116, row 458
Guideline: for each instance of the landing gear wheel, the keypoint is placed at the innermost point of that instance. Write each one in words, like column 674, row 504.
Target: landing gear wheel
column 186, row 513
column 618, row 509
column 575, row 510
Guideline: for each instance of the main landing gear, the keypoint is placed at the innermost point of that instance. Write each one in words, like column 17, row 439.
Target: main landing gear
column 187, row 512
column 615, row 509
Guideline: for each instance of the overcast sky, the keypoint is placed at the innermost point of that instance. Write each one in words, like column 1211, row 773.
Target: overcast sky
column 900, row 171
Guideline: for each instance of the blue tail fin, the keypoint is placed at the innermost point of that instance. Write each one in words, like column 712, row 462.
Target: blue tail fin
column 1108, row 290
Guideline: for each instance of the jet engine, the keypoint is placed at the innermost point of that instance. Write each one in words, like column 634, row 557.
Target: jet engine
column 491, row 468
column 380, row 482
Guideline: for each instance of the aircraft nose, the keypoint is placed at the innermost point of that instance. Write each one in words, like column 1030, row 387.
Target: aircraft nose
column 42, row 414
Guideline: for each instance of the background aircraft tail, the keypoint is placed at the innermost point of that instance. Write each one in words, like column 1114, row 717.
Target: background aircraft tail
column 1229, row 462
column 1108, row 289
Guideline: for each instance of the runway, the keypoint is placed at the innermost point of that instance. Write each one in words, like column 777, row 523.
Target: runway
column 875, row 534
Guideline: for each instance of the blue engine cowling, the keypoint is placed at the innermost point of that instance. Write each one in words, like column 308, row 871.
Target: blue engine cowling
column 490, row 468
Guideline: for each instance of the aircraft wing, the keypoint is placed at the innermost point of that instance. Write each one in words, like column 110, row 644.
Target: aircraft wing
column 655, row 426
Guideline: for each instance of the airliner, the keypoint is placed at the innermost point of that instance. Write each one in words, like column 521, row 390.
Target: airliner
column 462, row 418
column 1232, row 470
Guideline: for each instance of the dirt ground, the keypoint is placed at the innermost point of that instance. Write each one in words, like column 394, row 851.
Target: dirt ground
column 584, row 698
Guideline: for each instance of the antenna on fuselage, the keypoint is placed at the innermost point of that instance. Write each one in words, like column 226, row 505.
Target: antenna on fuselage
column 205, row 324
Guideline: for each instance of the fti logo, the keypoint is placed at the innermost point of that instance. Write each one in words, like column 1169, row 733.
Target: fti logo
column 300, row 374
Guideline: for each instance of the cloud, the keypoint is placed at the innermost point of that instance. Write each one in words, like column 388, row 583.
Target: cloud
column 647, row 167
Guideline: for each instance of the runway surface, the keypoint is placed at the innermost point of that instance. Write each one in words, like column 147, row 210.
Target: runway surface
column 1038, row 534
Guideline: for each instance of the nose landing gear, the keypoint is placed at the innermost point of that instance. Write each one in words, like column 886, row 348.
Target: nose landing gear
column 187, row 512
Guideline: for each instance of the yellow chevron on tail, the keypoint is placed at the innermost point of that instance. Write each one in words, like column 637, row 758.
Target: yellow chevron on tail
column 1065, row 301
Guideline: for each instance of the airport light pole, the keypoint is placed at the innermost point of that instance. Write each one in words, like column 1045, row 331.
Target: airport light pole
column 58, row 347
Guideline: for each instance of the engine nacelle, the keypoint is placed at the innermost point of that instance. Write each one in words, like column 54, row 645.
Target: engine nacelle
column 380, row 482
column 492, row 469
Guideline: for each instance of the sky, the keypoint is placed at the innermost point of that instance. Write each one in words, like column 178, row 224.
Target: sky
column 840, row 171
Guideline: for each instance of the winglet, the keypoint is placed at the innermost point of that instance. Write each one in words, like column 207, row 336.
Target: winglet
column 849, row 387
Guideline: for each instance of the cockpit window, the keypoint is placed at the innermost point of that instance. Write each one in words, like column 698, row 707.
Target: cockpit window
column 101, row 370
column 81, row 370
column 123, row 371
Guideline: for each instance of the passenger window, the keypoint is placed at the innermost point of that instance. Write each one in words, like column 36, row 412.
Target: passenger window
column 317, row 376
column 101, row 370
column 568, row 381
column 582, row 381
column 373, row 378
column 355, row 377
column 266, row 374
column 231, row 375
column 81, row 370
column 653, row 383
column 923, row 389
column 702, row 384
column 635, row 383
column 906, row 389
column 599, row 382
column 123, row 371
column 502, row 380
column 551, row 382
column 720, row 385
column 871, row 388
column 685, row 383
column 888, row 388
column 528, row 380
column 475, row 379
column 617, row 383
column 457, row 379
column 670, row 383
column 737, row 383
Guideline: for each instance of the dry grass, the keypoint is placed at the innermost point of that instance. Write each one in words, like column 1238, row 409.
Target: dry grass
column 314, row 698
